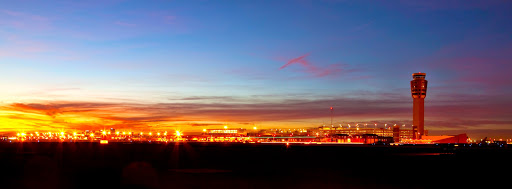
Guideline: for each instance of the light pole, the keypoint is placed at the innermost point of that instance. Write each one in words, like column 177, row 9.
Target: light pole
column 332, row 109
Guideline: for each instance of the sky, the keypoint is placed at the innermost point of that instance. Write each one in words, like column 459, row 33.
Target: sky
column 194, row 65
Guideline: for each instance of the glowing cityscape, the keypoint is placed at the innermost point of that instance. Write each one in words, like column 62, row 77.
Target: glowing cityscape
column 255, row 94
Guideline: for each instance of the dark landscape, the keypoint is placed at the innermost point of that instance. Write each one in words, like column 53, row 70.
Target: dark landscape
column 232, row 165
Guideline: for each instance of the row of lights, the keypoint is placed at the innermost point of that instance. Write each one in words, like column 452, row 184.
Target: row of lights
column 178, row 133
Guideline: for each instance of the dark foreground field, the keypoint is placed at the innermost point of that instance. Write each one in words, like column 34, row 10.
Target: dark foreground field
column 222, row 165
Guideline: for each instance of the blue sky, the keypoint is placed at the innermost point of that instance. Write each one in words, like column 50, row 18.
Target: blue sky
column 157, row 52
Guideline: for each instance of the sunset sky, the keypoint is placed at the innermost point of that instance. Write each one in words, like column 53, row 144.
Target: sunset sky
column 191, row 65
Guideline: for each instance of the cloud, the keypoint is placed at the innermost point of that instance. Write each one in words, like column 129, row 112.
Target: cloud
column 313, row 70
column 442, row 113
column 299, row 59
column 24, row 21
column 119, row 23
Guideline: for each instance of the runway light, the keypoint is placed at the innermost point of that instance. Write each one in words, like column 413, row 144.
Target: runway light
column 104, row 133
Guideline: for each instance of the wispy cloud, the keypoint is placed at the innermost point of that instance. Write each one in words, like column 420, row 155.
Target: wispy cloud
column 479, row 112
column 24, row 20
column 126, row 24
column 313, row 70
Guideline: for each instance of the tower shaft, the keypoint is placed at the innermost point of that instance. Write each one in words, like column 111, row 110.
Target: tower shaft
column 418, row 112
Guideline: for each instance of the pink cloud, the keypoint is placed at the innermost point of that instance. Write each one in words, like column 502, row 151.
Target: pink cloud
column 23, row 20
column 299, row 59
column 312, row 69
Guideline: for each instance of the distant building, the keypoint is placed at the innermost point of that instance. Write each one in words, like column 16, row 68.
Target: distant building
column 396, row 133
column 226, row 132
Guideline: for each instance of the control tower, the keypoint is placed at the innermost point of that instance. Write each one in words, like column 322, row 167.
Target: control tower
column 419, row 92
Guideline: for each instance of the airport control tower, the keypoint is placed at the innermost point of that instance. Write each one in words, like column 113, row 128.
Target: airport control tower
column 419, row 92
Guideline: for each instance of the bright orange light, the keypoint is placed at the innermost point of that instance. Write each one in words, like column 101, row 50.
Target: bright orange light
column 158, row 134
column 92, row 134
column 124, row 133
column 225, row 126
column 141, row 133
column 104, row 132
column 204, row 130
column 103, row 141
column 255, row 128
column 117, row 133
column 150, row 133
column 74, row 134
column 178, row 133
column 61, row 133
